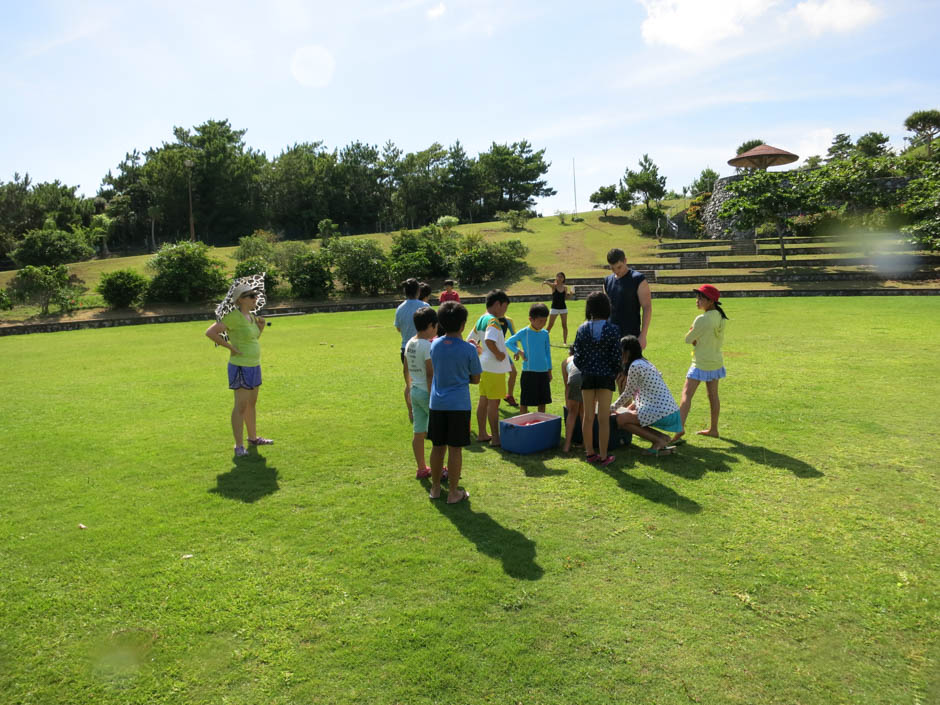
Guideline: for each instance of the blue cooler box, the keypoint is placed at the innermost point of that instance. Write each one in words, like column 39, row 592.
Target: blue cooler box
column 518, row 438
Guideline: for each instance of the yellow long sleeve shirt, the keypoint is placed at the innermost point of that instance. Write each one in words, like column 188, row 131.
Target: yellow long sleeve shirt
column 707, row 336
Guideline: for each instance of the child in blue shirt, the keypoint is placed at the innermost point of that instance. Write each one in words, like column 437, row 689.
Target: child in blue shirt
column 537, row 359
column 456, row 366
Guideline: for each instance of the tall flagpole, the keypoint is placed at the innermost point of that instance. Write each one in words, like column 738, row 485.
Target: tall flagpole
column 574, row 180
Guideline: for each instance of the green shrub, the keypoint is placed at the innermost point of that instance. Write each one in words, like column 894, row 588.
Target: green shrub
column 286, row 252
column 42, row 285
column 479, row 261
column 122, row 288
column 309, row 275
column 806, row 223
column 516, row 220
column 695, row 213
column 6, row 303
column 257, row 265
column 447, row 222
column 185, row 273
column 434, row 247
column 922, row 205
column 409, row 264
column 327, row 229
column 360, row 265
column 50, row 248
column 253, row 247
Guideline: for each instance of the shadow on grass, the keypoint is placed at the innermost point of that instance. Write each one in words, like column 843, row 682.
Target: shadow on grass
column 649, row 488
column 513, row 548
column 533, row 464
column 772, row 459
column 249, row 480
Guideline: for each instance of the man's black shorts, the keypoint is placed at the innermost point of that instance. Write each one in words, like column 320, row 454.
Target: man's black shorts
column 449, row 428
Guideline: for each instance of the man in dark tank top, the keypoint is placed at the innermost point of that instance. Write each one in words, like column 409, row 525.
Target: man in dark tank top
column 631, row 303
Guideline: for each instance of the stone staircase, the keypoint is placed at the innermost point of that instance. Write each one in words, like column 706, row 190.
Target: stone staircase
column 868, row 266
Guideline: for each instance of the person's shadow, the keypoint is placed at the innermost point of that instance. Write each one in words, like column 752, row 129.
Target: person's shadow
column 772, row 459
column 249, row 480
column 533, row 464
column 647, row 487
column 514, row 549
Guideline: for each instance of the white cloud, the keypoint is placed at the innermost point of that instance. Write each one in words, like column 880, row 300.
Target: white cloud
column 313, row 66
column 696, row 25
column 436, row 11
column 821, row 16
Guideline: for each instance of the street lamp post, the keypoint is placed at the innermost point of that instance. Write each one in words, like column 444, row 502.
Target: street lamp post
column 188, row 163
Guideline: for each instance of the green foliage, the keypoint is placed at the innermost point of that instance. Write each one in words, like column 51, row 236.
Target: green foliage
column 515, row 219
column 51, row 247
column 360, row 265
column 287, row 252
column 562, row 216
column 645, row 183
column 922, row 205
column 6, row 303
column 185, row 273
column 695, row 214
column 704, row 183
column 447, row 222
column 925, row 124
column 873, row 144
column 605, row 198
column 309, row 275
column 254, row 247
column 748, row 145
column 424, row 253
column 511, row 178
column 122, row 288
column 43, row 285
column 841, row 148
column 806, row 224
column 257, row 265
column 327, row 229
column 479, row 261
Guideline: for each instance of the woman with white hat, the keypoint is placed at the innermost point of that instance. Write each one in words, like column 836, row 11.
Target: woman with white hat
column 238, row 329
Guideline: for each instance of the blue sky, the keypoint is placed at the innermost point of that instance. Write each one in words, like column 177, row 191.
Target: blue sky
column 599, row 82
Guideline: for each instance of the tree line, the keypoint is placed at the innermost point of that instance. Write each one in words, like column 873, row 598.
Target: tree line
column 236, row 189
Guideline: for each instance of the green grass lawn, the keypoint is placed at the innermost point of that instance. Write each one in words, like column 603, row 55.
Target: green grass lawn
column 794, row 560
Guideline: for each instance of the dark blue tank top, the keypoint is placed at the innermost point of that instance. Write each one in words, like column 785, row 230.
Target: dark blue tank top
column 624, row 301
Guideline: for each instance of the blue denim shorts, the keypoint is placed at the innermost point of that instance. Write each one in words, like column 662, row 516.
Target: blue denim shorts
column 243, row 377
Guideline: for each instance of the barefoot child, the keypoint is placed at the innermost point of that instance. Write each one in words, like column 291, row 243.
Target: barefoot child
column 646, row 400
column 404, row 323
column 707, row 335
column 456, row 366
column 597, row 355
column 421, row 371
column 572, row 378
column 559, row 306
column 489, row 334
column 536, row 359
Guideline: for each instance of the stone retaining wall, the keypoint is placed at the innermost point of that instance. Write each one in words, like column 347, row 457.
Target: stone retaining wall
column 25, row 328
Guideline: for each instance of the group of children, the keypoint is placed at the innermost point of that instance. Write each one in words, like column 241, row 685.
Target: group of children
column 439, row 365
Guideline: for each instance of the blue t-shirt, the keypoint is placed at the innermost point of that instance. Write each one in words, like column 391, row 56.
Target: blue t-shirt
column 625, row 301
column 405, row 319
column 454, row 361
column 537, row 347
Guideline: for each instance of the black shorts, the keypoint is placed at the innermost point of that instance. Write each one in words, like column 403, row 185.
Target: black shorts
column 589, row 382
column 449, row 428
column 403, row 356
column 536, row 389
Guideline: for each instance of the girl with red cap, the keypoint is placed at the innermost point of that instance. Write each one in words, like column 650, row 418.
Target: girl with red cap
column 706, row 336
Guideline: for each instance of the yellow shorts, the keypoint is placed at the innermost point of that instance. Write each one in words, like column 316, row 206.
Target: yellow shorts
column 493, row 385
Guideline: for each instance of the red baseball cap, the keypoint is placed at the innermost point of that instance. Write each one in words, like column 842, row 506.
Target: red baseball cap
column 708, row 291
